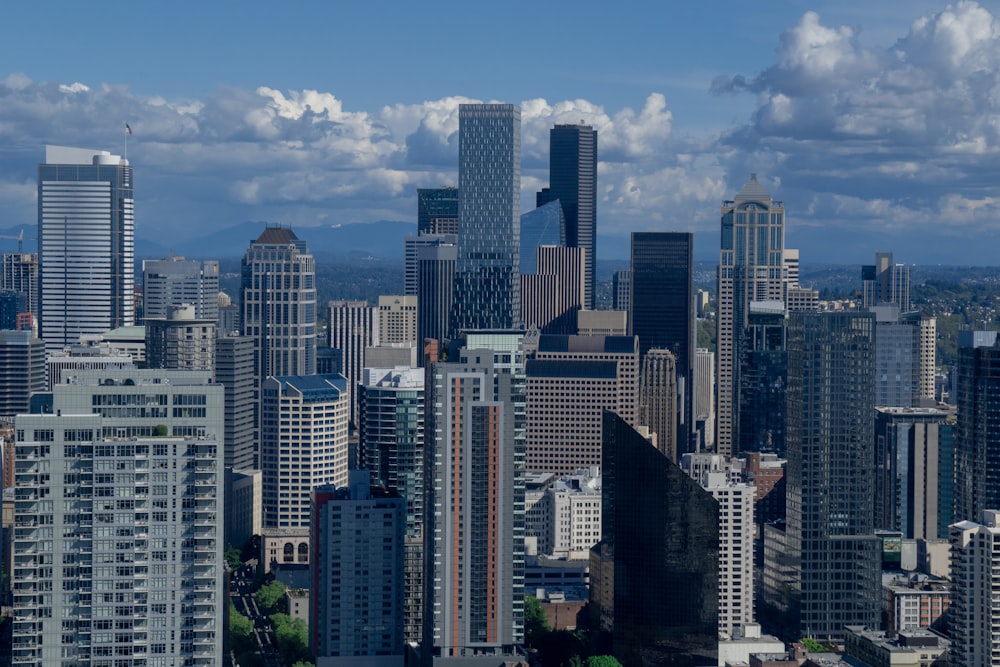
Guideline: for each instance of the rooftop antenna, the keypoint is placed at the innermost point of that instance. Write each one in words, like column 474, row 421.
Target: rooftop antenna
column 128, row 133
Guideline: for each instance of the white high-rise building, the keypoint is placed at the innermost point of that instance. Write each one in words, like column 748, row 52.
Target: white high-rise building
column 118, row 540
column 303, row 445
column 353, row 327
column 735, row 551
column 86, row 244
column 174, row 281
column 975, row 614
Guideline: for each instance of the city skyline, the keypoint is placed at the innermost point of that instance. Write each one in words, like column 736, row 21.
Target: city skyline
column 810, row 103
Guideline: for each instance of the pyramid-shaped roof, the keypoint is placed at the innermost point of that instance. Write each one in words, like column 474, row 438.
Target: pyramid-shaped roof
column 277, row 236
column 753, row 190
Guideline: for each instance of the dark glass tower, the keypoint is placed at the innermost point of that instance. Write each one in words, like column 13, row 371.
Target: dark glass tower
column 573, row 181
column 435, row 291
column 655, row 572
column 487, row 276
column 661, row 311
column 977, row 447
column 763, row 380
column 830, row 475
column 437, row 211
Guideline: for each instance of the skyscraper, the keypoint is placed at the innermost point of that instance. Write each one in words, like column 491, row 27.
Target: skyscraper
column 487, row 277
column 234, row 370
column 279, row 303
column 661, row 312
column 86, row 244
column 975, row 622
column 763, row 363
column 413, row 246
column 830, row 478
column 886, row 283
column 977, row 445
column 655, row 572
column 174, row 281
column 353, row 327
column 573, row 181
column 435, row 292
column 553, row 295
column 658, row 400
column 474, row 537
column 751, row 268
column 397, row 319
column 437, row 211
column 22, row 371
column 20, row 273
column 180, row 340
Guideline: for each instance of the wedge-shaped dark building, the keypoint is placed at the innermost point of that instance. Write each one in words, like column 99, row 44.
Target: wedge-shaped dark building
column 655, row 572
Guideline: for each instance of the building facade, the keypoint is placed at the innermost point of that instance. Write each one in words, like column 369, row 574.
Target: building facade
column 553, row 295
column 22, row 371
column 977, row 445
column 975, row 618
column 180, row 340
column 175, row 281
column 353, row 328
column 487, row 275
column 86, row 244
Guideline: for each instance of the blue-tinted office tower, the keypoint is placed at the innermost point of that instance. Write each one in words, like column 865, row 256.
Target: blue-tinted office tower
column 487, row 276
column 573, row 181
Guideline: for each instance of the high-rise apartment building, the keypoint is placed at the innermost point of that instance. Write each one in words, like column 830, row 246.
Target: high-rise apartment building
column 751, row 268
column 136, row 576
column 357, row 597
column 573, row 181
column 22, row 371
column 279, row 303
column 175, row 281
column 886, row 283
column 487, row 277
column 830, row 480
column 303, row 445
column 353, row 328
column 655, row 573
column 391, row 444
column 86, row 244
column 977, row 445
column 474, row 538
column 911, row 495
column 974, row 617
column 437, row 211
column 553, row 295
column 661, row 312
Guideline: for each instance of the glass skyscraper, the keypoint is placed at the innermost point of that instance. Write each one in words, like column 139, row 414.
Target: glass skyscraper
column 573, row 181
column 487, row 277
column 86, row 244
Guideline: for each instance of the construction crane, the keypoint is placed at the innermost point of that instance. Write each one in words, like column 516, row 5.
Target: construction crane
column 20, row 241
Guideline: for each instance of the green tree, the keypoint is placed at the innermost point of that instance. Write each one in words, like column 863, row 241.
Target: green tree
column 270, row 597
column 291, row 637
column 160, row 430
column 812, row 645
column 240, row 628
column 303, row 663
column 603, row 661
column 536, row 625
column 234, row 557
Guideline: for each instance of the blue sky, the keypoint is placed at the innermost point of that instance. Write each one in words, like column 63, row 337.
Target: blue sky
column 878, row 124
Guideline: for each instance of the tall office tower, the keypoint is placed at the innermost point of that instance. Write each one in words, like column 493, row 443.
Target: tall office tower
column 898, row 358
column 927, row 368
column 356, row 605
column 551, row 297
column 659, row 546
column 911, row 495
column 180, row 340
column 353, row 327
column 397, row 319
column 573, row 181
column 790, row 260
column 234, row 370
column 140, row 548
column 86, row 244
column 279, row 303
column 12, row 304
column 435, row 292
column 543, row 226
column 884, row 282
column 621, row 290
column 571, row 381
column 658, row 400
column 661, row 312
column 830, row 480
column 751, row 268
column 736, row 530
column 474, row 538
column 437, row 210
column 22, row 370
column 20, row 273
column 975, row 621
column 391, row 407
column 704, row 398
column 303, row 445
column 977, row 445
column 174, row 281
column 487, row 277
column 763, row 364
column 412, row 247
